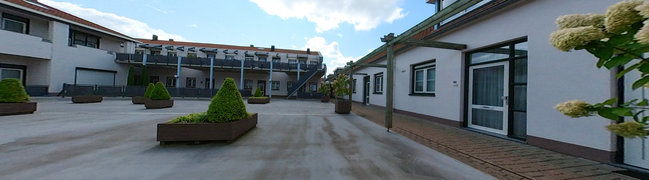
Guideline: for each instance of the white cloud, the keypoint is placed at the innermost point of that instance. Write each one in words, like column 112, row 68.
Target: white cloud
column 128, row 26
column 193, row 26
column 158, row 9
column 340, row 35
column 328, row 14
column 330, row 51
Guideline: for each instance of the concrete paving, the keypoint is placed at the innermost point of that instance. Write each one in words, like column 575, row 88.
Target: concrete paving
column 293, row 140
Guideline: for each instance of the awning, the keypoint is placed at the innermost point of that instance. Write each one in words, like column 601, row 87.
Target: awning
column 249, row 54
column 149, row 46
column 261, row 53
column 208, row 50
column 169, row 48
column 191, row 49
column 181, row 48
column 226, row 51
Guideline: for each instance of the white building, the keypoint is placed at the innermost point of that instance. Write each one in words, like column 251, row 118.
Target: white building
column 47, row 48
column 507, row 80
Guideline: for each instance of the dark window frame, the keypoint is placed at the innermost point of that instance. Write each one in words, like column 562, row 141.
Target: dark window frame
column 15, row 18
column 73, row 38
column 353, row 86
column 273, row 87
column 414, row 69
column 378, row 75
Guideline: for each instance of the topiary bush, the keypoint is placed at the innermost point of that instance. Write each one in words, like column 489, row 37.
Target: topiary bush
column 148, row 91
column 131, row 76
column 12, row 91
column 258, row 93
column 145, row 76
column 191, row 118
column 160, row 92
column 227, row 105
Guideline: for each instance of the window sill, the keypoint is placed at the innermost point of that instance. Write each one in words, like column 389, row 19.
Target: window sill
column 422, row 94
column 377, row 93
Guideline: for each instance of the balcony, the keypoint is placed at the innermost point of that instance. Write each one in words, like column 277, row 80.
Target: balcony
column 218, row 63
column 24, row 45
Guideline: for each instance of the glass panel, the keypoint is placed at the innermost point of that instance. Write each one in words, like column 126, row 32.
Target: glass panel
column 419, row 80
column 487, row 118
column 520, row 125
column 520, row 71
column 520, row 98
column 15, row 26
column 488, row 86
column 490, row 55
column 93, row 42
column 430, row 80
column 262, row 59
column 520, row 49
column 10, row 73
column 80, row 39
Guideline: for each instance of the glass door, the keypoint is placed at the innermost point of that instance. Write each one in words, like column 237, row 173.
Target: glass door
column 488, row 91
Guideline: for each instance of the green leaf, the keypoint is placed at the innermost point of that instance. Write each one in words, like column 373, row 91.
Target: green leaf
column 617, row 61
column 643, row 103
column 627, row 70
column 604, row 52
column 610, row 101
column 640, row 82
column 620, row 39
column 621, row 111
column 608, row 114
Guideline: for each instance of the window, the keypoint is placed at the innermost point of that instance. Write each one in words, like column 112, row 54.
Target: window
column 155, row 52
column 139, row 51
column 313, row 62
column 354, row 86
column 15, row 23
column 247, row 84
column 378, row 83
column 191, row 55
column 302, row 61
column 190, row 82
column 262, row 59
column 174, row 54
column 249, row 58
column 276, row 60
column 171, row 81
column 292, row 61
column 423, row 78
column 154, row 79
column 211, row 55
column 289, row 84
column 11, row 73
column 229, row 57
column 274, row 85
column 84, row 39
column 313, row 87
column 207, row 83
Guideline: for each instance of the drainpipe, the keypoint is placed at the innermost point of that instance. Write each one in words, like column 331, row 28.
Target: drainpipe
column 212, row 73
column 298, row 71
column 270, row 80
column 178, row 72
column 241, row 82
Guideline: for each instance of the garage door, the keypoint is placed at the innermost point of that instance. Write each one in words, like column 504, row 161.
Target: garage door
column 95, row 77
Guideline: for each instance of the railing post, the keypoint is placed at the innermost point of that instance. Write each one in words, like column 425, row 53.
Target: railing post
column 298, row 71
column 270, row 80
column 241, row 82
column 211, row 73
column 178, row 72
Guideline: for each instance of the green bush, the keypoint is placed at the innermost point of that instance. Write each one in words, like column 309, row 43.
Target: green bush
column 258, row 98
column 227, row 105
column 191, row 118
column 258, row 93
column 160, row 92
column 12, row 91
column 131, row 76
column 148, row 91
column 144, row 77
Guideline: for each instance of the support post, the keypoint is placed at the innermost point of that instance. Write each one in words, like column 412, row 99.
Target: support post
column 298, row 71
column 178, row 72
column 270, row 80
column 241, row 82
column 389, row 90
column 143, row 59
column 351, row 82
column 212, row 73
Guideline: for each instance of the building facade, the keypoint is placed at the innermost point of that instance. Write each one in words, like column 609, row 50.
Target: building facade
column 506, row 81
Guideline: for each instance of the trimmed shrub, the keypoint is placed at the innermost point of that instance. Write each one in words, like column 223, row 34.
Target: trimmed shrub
column 145, row 77
column 160, row 92
column 258, row 93
column 191, row 118
column 131, row 76
column 227, row 105
column 148, row 91
column 258, row 97
column 12, row 91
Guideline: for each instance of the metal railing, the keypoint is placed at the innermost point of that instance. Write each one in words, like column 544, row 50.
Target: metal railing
column 218, row 63
column 302, row 81
column 131, row 91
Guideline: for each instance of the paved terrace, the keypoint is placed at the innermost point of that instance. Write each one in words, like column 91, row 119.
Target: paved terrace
column 293, row 140
column 501, row 158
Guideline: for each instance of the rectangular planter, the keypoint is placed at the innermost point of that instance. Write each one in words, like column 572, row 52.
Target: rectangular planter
column 87, row 99
column 138, row 99
column 17, row 108
column 205, row 131
column 258, row 101
column 324, row 98
column 343, row 106
column 158, row 104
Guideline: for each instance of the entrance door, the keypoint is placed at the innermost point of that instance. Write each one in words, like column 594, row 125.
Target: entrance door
column 366, row 90
column 488, row 90
column 636, row 150
column 262, row 86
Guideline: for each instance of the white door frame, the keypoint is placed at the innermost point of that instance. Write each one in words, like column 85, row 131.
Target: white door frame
column 504, row 109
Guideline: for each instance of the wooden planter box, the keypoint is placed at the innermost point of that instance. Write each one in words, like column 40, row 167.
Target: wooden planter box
column 87, row 99
column 205, row 131
column 343, row 106
column 158, row 104
column 258, row 101
column 138, row 99
column 17, row 108
column 324, row 98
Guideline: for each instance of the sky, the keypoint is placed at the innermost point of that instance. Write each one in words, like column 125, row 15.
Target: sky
column 341, row 30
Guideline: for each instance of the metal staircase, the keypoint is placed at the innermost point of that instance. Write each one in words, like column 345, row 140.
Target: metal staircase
column 312, row 71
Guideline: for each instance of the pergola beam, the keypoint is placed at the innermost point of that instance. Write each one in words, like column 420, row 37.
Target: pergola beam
column 435, row 44
column 373, row 65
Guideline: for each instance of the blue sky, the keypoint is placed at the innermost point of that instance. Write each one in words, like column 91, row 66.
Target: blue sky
column 342, row 30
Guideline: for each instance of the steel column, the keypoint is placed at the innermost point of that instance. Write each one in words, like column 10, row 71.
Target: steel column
column 212, row 73
column 178, row 72
column 389, row 90
column 270, row 80
column 241, row 82
column 144, row 59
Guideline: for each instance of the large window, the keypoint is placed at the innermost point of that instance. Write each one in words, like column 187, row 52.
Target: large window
column 171, row 81
column 190, row 82
column 289, row 84
column 174, row 54
column 292, row 61
column 15, row 23
column 423, row 78
column 229, row 57
column 276, row 60
column 378, row 83
column 247, row 84
column 84, row 39
column 274, row 85
column 191, row 55
column 249, row 58
column 262, row 59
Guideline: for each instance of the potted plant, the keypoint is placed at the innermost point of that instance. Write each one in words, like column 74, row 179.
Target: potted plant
column 142, row 99
column 87, row 98
column 14, row 99
column 325, row 89
column 226, row 119
column 159, row 98
column 341, row 89
column 258, row 98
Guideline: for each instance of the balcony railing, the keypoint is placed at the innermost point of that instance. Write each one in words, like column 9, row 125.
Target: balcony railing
column 218, row 63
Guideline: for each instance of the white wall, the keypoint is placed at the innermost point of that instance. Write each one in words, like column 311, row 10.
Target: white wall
column 37, row 69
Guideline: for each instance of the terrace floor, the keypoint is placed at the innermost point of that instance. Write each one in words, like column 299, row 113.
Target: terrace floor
column 293, row 140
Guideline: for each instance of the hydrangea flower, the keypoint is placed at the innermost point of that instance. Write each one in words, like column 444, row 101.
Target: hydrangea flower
column 567, row 39
column 621, row 15
column 629, row 129
column 643, row 9
column 642, row 36
column 574, row 108
column 580, row 20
